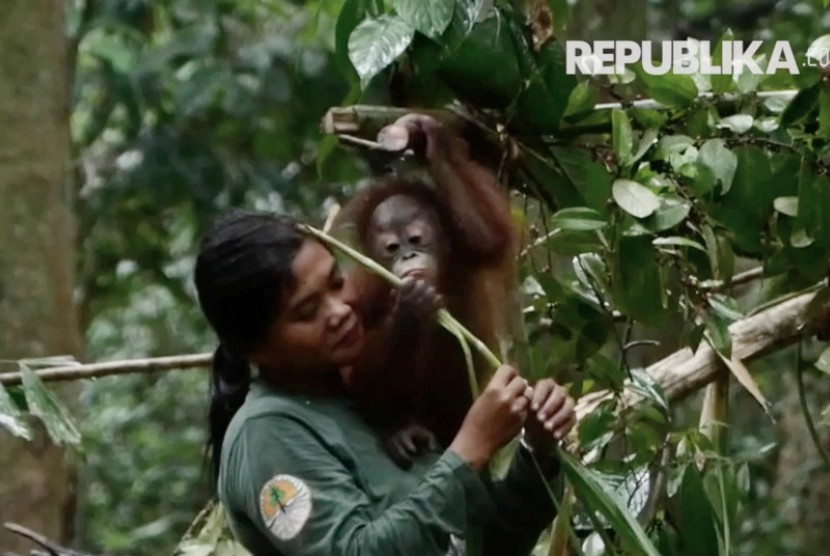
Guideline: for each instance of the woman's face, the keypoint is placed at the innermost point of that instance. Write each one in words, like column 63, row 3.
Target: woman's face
column 318, row 326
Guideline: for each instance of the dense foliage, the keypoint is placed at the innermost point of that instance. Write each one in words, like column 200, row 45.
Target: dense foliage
column 640, row 217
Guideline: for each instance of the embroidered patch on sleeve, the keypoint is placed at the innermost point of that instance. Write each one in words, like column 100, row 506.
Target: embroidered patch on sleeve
column 285, row 505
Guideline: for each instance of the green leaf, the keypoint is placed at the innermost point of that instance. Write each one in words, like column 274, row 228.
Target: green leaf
column 44, row 405
column 648, row 139
column 819, row 47
column 430, row 17
column 578, row 218
column 636, row 283
column 351, row 14
column 599, row 497
column 726, row 306
column 581, row 101
column 804, row 102
column 697, row 519
column 813, row 200
column 11, row 418
column 671, row 212
column 675, row 241
column 717, row 328
column 621, row 136
column 469, row 68
column 671, row 89
column 634, row 198
column 824, row 113
column 589, row 177
column 786, row 205
column 715, row 156
column 823, row 361
column 722, row 82
column 376, row 43
column 738, row 123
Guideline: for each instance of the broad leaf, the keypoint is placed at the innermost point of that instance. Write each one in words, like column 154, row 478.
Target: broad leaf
column 723, row 82
column 741, row 373
column 786, row 205
column 376, row 43
column 823, row 361
column 44, row 405
column 804, row 102
column 670, row 89
column 717, row 329
column 351, row 14
column 11, row 418
column 589, row 177
column 675, row 241
column 578, row 219
column 621, row 136
column 671, row 212
column 598, row 497
column 430, row 17
column 697, row 519
column 739, row 123
column 720, row 160
column 824, row 113
column 635, row 199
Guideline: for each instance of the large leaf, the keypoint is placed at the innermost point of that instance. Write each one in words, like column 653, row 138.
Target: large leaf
column 544, row 98
column 590, row 178
column 578, row 219
column 430, row 17
column 741, row 373
column 351, row 14
column 671, row 89
column 598, row 497
column 813, row 200
column 11, row 418
column 720, row 160
column 723, row 82
column 44, row 405
column 622, row 137
column 823, row 361
column 697, row 518
column 483, row 66
column 637, row 286
column 376, row 43
column 804, row 102
column 634, row 198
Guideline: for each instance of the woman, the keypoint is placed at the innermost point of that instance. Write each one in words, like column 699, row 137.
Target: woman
column 298, row 471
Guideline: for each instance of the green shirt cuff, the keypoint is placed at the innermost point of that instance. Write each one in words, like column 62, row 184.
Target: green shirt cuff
column 479, row 501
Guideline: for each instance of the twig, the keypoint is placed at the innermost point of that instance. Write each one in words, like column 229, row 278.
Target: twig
column 96, row 370
column 52, row 548
column 737, row 280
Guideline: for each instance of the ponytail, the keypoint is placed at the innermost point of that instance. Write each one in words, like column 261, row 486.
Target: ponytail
column 231, row 382
column 242, row 274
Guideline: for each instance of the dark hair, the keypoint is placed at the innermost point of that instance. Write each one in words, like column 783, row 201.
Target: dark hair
column 242, row 273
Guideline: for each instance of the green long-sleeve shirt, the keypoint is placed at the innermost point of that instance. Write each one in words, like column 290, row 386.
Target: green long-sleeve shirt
column 303, row 476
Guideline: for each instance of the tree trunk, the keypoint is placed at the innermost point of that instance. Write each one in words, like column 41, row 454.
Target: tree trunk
column 37, row 317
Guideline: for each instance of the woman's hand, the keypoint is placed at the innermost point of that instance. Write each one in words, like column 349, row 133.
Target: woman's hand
column 495, row 417
column 552, row 416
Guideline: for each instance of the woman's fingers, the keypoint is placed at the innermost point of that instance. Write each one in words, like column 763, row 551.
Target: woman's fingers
column 553, row 403
column 561, row 418
column 541, row 392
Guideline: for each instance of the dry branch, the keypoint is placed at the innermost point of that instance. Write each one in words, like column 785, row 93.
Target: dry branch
column 52, row 548
column 95, row 370
column 685, row 372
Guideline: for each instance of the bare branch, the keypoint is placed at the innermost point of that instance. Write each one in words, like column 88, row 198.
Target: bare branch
column 95, row 370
